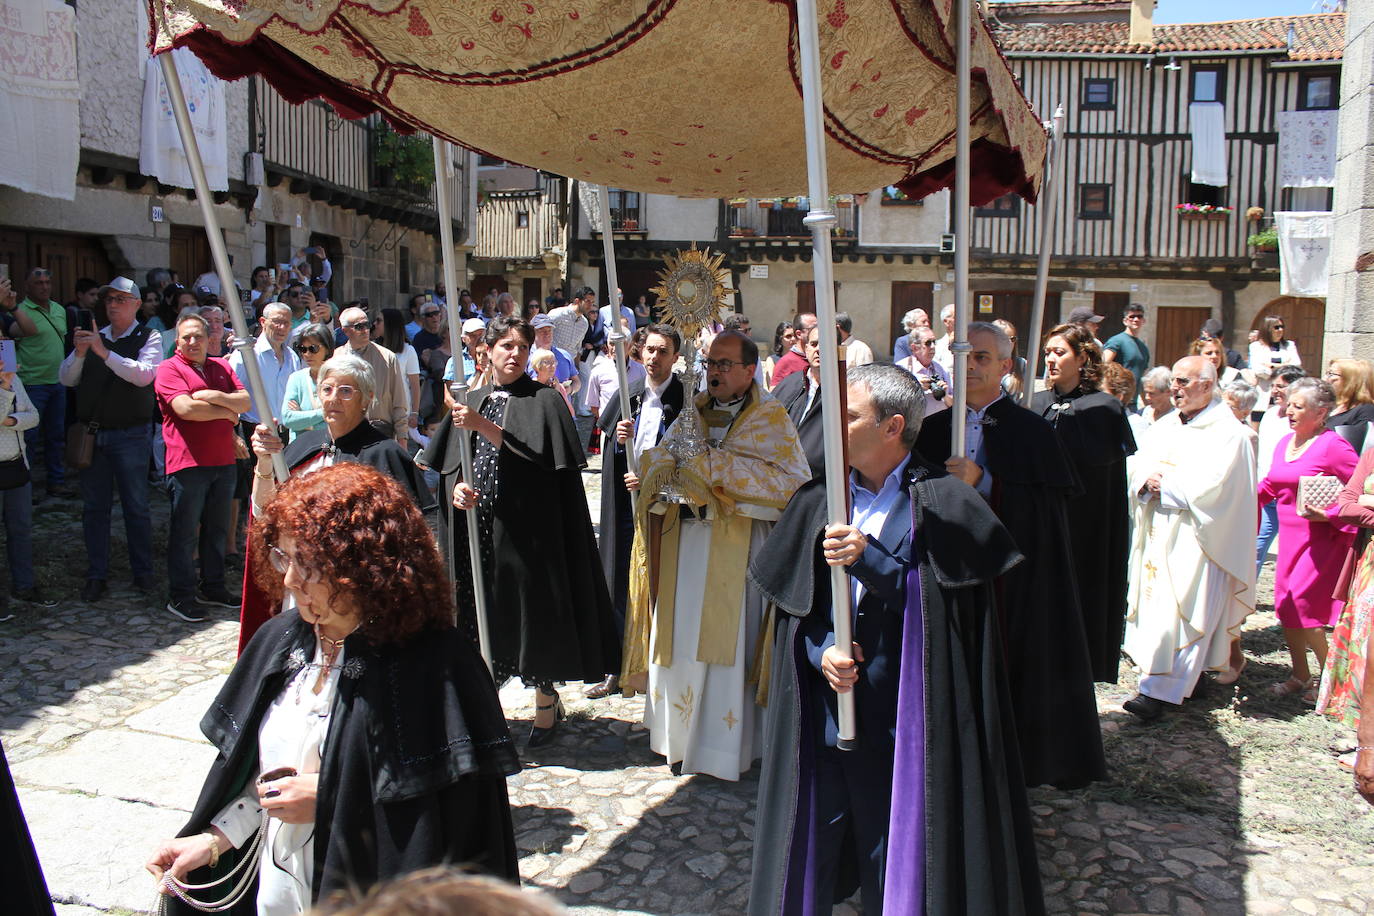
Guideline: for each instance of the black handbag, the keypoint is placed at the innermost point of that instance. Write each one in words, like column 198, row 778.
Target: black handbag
column 14, row 473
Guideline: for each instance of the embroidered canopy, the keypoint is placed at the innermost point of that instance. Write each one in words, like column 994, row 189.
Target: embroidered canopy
column 697, row 98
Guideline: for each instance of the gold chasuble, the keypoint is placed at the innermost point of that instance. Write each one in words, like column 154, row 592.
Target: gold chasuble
column 749, row 477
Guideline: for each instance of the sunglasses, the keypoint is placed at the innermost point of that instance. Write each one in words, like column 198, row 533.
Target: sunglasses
column 358, row 326
column 308, row 348
column 434, row 314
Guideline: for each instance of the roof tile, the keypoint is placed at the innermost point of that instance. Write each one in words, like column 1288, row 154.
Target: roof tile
column 1318, row 36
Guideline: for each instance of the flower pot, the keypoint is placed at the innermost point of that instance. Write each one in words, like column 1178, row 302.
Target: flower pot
column 789, row 205
column 738, row 204
column 765, row 205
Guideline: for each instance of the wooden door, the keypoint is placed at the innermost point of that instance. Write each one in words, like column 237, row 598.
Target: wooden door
column 806, row 297
column 188, row 254
column 1304, row 323
column 908, row 295
column 636, row 278
column 1015, row 306
column 68, row 257
column 1175, row 330
column 487, row 283
column 531, row 288
column 1112, row 308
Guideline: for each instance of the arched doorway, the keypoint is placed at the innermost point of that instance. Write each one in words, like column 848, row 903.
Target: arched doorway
column 1304, row 323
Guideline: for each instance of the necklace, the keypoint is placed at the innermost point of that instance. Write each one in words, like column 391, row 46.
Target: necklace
column 329, row 648
column 1295, row 451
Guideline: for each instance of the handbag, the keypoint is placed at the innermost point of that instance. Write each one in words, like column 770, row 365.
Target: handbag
column 1318, row 491
column 81, row 445
column 14, row 473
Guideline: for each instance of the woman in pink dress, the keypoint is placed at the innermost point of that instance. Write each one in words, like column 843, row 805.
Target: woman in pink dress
column 1312, row 542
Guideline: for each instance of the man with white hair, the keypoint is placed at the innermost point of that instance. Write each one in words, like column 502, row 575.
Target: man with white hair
column 1192, row 572
column 943, row 356
column 388, row 409
column 276, row 362
column 913, row 319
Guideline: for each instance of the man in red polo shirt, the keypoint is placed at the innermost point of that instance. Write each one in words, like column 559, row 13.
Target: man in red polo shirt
column 201, row 400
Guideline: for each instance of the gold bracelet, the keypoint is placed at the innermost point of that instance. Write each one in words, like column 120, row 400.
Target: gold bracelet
column 263, row 476
column 214, row 848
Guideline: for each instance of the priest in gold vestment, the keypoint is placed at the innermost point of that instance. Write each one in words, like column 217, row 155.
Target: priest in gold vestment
column 694, row 624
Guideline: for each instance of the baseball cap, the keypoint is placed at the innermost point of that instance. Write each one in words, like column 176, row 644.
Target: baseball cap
column 1083, row 314
column 541, row 321
column 1212, row 327
column 120, row 285
column 473, row 324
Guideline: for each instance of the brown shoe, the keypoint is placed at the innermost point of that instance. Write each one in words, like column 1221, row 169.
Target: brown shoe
column 604, row 689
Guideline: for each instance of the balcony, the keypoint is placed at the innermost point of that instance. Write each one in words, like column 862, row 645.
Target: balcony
column 519, row 226
column 779, row 220
column 334, row 160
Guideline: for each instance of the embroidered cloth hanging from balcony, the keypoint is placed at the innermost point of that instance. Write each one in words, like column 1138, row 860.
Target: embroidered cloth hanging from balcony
column 1304, row 252
column 1307, row 149
column 160, row 153
column 696, row 98
column 39, row 98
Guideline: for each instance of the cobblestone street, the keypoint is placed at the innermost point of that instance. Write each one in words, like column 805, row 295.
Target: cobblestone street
column 1232, row 805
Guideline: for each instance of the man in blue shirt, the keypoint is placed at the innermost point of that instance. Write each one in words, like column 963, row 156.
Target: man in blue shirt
column 1127, row 348
column 543, row 340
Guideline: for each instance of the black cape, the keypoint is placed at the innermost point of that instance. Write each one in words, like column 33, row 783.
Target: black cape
column 364, row 445
column 414, row 767
column 616, row 534
column 1048, row 669
column 1093, row 427
column 549, row 612
column 981, row 854
column 791, row 393
column 20, row 874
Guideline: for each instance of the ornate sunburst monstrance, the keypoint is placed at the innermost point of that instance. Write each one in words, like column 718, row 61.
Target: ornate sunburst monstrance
column 692, row 290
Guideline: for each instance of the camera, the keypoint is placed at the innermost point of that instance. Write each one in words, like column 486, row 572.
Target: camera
column 938, row 391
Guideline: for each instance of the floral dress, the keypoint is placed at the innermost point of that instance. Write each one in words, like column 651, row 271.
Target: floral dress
column 1343, row 679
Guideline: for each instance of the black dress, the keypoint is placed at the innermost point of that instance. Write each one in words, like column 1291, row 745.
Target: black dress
column 548, row 608
column 1092, row 426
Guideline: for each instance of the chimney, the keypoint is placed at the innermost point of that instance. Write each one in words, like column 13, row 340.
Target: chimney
column 1142, row 22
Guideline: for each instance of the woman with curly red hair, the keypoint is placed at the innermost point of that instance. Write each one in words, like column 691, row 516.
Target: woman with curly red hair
column 360, row 736
column 1092, row 425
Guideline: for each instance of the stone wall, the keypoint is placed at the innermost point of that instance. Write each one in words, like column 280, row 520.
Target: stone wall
column 1350, row 300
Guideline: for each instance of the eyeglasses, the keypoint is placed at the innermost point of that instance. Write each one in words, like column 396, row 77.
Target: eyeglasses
column 308, row 348
column 358, row 326
column 722, row 365
column 282, row 564
column 342, row 392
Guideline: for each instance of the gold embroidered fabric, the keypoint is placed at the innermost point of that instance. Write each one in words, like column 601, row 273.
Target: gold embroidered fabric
column 697, row 98
column 760, row 464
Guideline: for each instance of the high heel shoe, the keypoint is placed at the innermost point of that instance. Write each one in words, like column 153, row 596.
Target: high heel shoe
column 542, row 736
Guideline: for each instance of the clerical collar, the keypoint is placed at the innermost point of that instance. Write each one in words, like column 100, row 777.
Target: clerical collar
column 732, row 406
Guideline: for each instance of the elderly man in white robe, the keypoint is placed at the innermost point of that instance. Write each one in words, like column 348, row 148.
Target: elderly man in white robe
column 1192, row 571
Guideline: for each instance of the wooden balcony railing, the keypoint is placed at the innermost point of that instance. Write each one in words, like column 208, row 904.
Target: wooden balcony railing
column 519, row 225
column 310, row 140
column 771, row 219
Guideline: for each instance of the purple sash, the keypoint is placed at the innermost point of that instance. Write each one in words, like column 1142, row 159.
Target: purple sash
column 904, row 882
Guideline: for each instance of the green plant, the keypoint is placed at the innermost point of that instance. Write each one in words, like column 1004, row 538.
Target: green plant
column 410, row 157
column 1265, row 240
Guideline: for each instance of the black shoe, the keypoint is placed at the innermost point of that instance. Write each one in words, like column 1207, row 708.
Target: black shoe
column 187, row 610
column 1143, row 707
column 542, row 736
column 219, row 597
column 93, row 590
column 6, row 615
column 62, row 491
column 34, row 596
column 603, row 688
column 144, row 585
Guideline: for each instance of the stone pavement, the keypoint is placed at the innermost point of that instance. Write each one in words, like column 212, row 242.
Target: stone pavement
column 1230, row 806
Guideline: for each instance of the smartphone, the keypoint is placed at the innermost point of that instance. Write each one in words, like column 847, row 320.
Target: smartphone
column 272, row 275
column 8, row 363
column 84, row 319
column 4, row 271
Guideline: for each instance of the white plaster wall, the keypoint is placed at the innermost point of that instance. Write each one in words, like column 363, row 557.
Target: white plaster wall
column 903, row 224
column 668, row 218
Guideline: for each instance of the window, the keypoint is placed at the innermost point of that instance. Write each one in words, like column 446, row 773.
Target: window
column 624, row 209
column 1099, row 94
column 402, row 269
column 1095, row 201
column 522, row 219
column 490, row 162
column 1207, row 83
column 1008, row 205
column 1202, row 193
column 1318, row 91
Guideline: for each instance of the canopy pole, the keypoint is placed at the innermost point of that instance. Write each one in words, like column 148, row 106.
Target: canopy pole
column 267, row 412
column 959, row 348
column 821, row 219
column 1046, row 205
column 459, row 387
column 619, row 333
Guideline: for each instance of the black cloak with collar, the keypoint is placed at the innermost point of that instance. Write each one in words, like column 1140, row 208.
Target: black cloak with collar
column 980, row 852
column 791, row 392
column 1048, row 669
column 1093, row 427
column 549, row 613
column 616, row 504
column 414, row 767
column 364, row 445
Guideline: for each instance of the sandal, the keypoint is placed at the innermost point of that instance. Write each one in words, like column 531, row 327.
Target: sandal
column 1231, row 675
